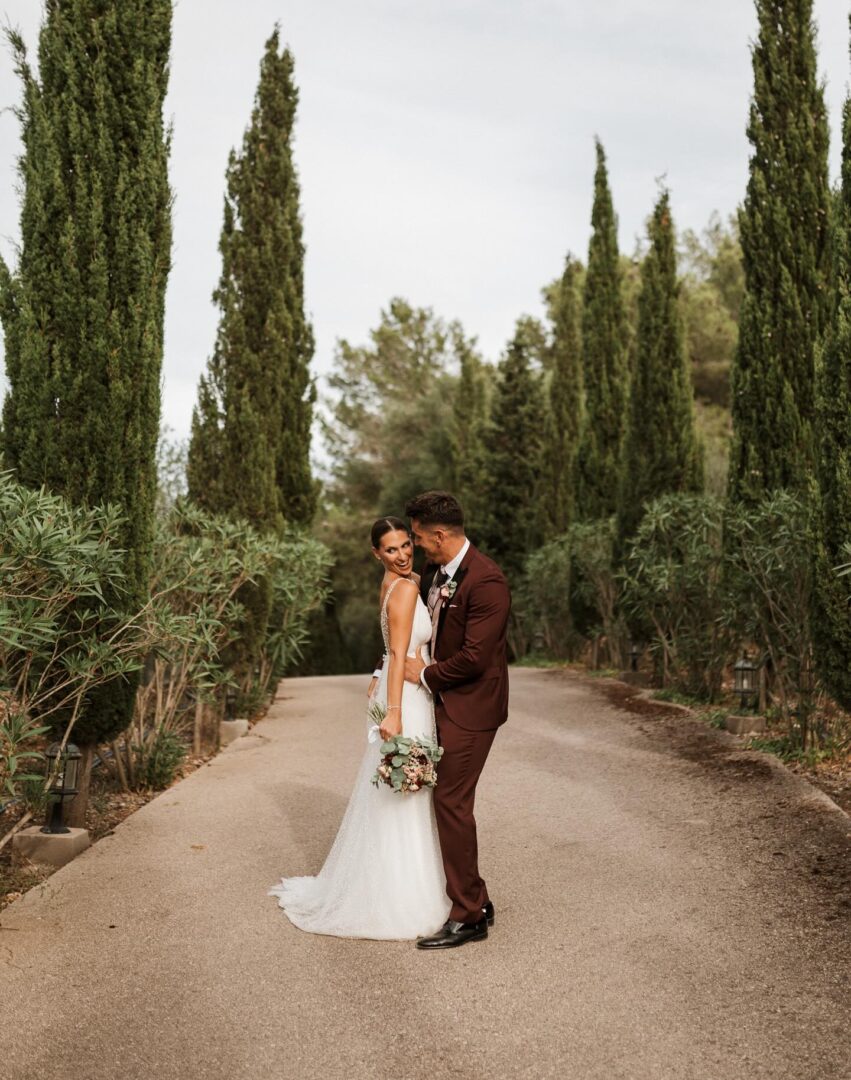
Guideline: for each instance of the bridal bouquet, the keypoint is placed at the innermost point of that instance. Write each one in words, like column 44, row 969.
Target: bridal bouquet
column 406, row 764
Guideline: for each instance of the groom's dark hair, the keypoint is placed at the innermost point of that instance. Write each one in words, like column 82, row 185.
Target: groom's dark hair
column 436, row 508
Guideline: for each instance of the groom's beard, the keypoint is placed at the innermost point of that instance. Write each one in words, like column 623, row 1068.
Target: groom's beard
column 421, row 561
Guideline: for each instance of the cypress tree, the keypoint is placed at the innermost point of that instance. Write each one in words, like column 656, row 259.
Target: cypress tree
column 662, row 450
column 604, row 358
column 83, row 311
column 250, row 444
column 783, row 227
column 512, row 459
column 564, row 409
column 470, row 410
column 832, row 506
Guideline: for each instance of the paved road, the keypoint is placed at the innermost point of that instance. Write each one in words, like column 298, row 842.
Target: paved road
column 658, row 916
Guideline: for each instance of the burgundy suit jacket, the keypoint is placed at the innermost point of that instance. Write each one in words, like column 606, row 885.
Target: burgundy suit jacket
column 470, row 672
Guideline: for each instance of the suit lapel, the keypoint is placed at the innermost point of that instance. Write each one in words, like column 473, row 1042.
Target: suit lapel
column 464, row 568
column 442, row 606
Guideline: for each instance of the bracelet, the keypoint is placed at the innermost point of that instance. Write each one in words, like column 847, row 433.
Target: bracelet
column 389, row 707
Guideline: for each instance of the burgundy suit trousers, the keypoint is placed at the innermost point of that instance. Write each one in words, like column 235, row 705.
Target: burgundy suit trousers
column 464, row 756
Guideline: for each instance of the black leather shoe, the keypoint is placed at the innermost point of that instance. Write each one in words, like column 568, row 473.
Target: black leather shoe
column 454, row 934
column 489, row 914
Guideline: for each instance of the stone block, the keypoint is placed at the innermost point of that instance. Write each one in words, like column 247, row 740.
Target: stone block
column 231, row 729
column 745, row 725
column 49, row 849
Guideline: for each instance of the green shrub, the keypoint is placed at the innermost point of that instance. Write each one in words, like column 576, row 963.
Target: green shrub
column 17, row 753
column 202, row 561
column 160, row 758
column 674, row 596
column 59, row 640
column 595, row 587
column 768, row 558
column 542, row 602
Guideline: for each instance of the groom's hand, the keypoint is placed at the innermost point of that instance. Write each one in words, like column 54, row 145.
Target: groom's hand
column 413, row 667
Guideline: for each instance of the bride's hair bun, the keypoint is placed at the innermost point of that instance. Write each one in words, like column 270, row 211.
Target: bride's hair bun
column 386, row 525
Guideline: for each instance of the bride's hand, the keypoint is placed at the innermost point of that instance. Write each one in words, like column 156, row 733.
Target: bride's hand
column 391, row 725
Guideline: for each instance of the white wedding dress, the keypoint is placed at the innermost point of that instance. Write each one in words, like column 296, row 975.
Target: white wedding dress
column 383, row 877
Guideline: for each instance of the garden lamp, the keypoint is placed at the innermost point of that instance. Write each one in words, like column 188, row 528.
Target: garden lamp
column 744, row 680
column 64, row 785
column 634, row 654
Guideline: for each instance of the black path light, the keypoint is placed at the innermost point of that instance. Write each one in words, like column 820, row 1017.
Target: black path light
column 64, row 785
column 634, row 654
column 744, row 680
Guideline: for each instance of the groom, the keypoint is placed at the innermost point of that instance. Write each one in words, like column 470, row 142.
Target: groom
column 469, row 602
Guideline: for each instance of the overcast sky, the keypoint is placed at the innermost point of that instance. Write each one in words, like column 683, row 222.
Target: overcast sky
column 445, row 147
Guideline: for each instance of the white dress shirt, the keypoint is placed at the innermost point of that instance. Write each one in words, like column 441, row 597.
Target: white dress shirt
column 450, row 569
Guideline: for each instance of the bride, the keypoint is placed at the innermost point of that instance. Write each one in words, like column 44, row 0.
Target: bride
column 383, row 877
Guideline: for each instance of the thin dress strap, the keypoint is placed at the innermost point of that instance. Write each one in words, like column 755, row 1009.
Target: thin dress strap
column 385, row 625
column 390, row 589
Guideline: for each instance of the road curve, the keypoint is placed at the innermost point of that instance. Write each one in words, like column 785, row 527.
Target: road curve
column 667, row 907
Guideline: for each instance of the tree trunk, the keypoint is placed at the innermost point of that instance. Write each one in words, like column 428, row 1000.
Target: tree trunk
column 198, row 727
column 119, row 764
column 75, row 811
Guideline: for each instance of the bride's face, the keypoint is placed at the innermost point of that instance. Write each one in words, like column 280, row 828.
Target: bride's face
column 396, row 552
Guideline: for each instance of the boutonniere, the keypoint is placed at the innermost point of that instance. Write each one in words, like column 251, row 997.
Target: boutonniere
column 447, row 591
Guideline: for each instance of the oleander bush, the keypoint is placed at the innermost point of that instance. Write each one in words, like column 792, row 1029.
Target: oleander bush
column 769, row 567
column 201, row 563
column 702, row 579
column 542, row 604
column 58, row 637
column 674, row 592
column 595, row 595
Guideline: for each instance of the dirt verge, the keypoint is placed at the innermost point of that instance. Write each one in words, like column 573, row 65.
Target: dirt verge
column 793, row 820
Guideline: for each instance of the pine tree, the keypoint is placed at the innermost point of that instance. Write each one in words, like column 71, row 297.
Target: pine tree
column 83, row 311
column 250, row 444
column 564, row 408
column 605, row 360
column 662, row 450
column 511, row 528
column 832, row 506
column 783, row 225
